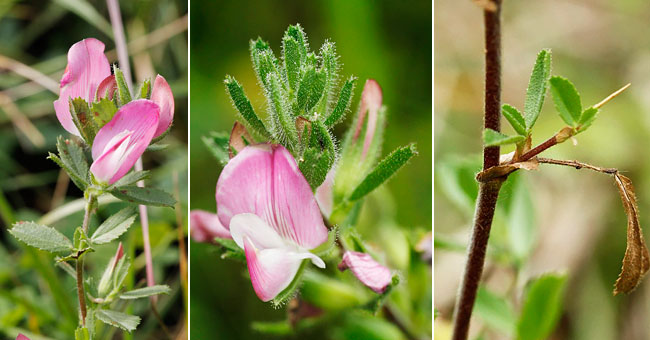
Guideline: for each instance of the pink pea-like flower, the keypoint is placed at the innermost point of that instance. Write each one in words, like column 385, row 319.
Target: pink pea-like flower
column 205, row 226
column 120, row 143
column 367, row 270
column 162, row 95
column 266, row 203
column 87, row 68
column 21, row 337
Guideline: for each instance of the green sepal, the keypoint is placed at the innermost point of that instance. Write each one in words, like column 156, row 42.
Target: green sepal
column 218, row 143
column 284, row 122
column 291, row 59
column 103, row 111
column 384, row 170
column 375, row 304
column 82, row 118
column 231, row 250
column 145, row 90
column 81, row 333
column 330, row 67
column 514, row 117
column 297, row 33
column 123, row 92
column 494, row 138
column 146, row 196
column 312, row 85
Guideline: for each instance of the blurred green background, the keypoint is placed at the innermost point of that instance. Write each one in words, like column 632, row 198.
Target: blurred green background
column 37, row 298
column 573, row 219
column 388, row 41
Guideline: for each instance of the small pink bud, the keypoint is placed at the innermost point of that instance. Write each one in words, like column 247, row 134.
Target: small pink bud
column 106, row 88
column 205, row 226
column 367, row 270
column 162, row 95
column 371, row 99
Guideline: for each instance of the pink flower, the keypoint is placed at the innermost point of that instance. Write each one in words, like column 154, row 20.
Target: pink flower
column 325, row 194
column 266, row 203
column 120, row 143
column 21, row 337
column 162, row 95
column 371, row 99
column 367, row 270
column 87, row 68
column 205, row 226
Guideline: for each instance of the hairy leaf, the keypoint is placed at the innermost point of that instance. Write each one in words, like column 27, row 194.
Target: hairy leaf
column 73, row 160
column 515, row 119
column 114, row 226
column 82, row 118
column 146, row 196
column 41, row 237
column 345, row 98
column 291, row 58
column 636, row 261
column 537, row 88
column 587, row 118
column 118, row 319
column 311, row 90
column 123, row 92
column 494, row 138
column 103, row 111
column 384, row 170
column 145, row 292
column 567, row 100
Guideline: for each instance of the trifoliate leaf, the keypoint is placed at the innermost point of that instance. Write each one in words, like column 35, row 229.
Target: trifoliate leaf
column 146, row 196
column 118, row 319
column 41, row 237
column 114, row 226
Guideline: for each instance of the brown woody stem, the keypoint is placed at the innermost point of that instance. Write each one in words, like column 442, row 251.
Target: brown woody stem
column 488, row 191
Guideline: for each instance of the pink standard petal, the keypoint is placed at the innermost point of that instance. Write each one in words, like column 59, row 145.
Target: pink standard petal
column 367, row 270
column 163, row 96
column 120, row 143
column 21, row 337
column 205, row 226
column 87, row 68
column 371, row 99
column 264, row 180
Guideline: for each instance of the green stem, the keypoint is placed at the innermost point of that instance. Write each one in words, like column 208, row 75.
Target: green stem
column 80, row 263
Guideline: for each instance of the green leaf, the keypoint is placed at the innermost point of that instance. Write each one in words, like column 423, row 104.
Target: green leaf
column 273, row 327
column 537, row 88
column 345, row 98
column 131, row 178
column 330, row 67
column 146, row 196
column 82, row 118
column 515, row 119
column 73, row 160
column 244, row 107
column 495, row 311
column 587, row 118
column 156, row 147
column 121, row 270
column 41, row 237
column 297, row 33
column 81, row 333
column 218, row 143
column 521, row 220
column 123, row 93
column 567, row 100
column 384, row 170
column 103, row 111
column 117, row 319
column 494, row 138
column 145, row 292
column 114, row 226
column 310, row 91
column 264, row 61
column 314, row 166
column 542, row 307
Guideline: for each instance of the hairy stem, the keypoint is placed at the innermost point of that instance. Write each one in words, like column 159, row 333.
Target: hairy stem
column 80, row 263
column 488, row 191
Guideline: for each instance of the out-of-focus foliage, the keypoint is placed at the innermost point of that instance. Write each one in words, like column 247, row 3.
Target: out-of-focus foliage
column 557, row 218
column 367, row 38
column 37, row 298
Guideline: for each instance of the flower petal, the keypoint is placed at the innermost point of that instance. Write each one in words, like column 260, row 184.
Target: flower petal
column 205, row 226
column 265, row 180
column 107, row 88
column 371, row 99
column 163, row 96
column 140, row 119
column 325, row 195
column 87, row 67
column 367, row 270
column 21, row 337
